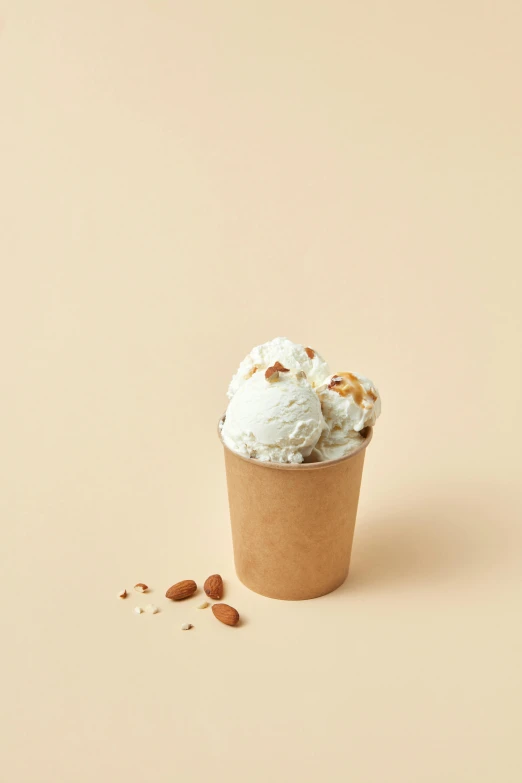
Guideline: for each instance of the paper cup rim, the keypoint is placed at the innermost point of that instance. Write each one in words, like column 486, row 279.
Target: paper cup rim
column 368, row 434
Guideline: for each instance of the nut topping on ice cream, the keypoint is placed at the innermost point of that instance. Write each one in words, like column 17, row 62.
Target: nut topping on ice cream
column 310, row 353
column 272, row 374
column 291, row 355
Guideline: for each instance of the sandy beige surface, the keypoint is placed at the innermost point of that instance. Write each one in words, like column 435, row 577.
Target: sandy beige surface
column 178, row 182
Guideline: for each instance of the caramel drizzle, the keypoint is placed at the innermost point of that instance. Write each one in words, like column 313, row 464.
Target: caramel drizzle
column 345, row 383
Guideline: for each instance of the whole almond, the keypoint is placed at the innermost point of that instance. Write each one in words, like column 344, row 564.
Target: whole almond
column 181, row 590
column 225, row 614
column 213, row 587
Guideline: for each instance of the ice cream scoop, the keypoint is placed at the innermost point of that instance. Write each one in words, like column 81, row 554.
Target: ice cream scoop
column 274, row 416
column 350, row 402
column 292, row 355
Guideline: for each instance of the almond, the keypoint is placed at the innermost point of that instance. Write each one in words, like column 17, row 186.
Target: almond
column 225, row 614
column 141, row 588
column 180, row 590
column 122, row 593
column 272, row 373
column 310, row 353
column 213, row 587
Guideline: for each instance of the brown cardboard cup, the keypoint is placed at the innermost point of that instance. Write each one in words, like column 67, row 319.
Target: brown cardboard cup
column 293, row 525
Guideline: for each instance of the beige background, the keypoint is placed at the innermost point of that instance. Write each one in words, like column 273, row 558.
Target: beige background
column 181, row 181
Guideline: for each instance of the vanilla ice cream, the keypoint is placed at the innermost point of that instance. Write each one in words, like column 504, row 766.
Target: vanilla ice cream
column 349, row 402
column 274, row 419
column 286, row 406
column 291, row 355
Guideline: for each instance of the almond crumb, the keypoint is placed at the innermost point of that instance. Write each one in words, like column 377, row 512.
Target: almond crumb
column 151, row 609
column 300, row 375
column 186, row 626
column 122, row 594
column 137, row 610
column 141, row 588
column 272, row 375
column 310, row 353
column 204, row 605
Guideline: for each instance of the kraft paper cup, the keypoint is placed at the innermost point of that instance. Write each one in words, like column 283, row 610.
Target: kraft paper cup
column 293, row 525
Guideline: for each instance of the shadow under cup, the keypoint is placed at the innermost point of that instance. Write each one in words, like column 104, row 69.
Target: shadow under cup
column 293, row 524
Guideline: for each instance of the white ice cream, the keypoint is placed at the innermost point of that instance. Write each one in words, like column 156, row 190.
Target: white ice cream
column 291, row 355
column 279, row 421
column 312, row 417
column 350, row 402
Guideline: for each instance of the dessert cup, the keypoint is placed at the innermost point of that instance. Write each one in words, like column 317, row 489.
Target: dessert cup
column 293, row 524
